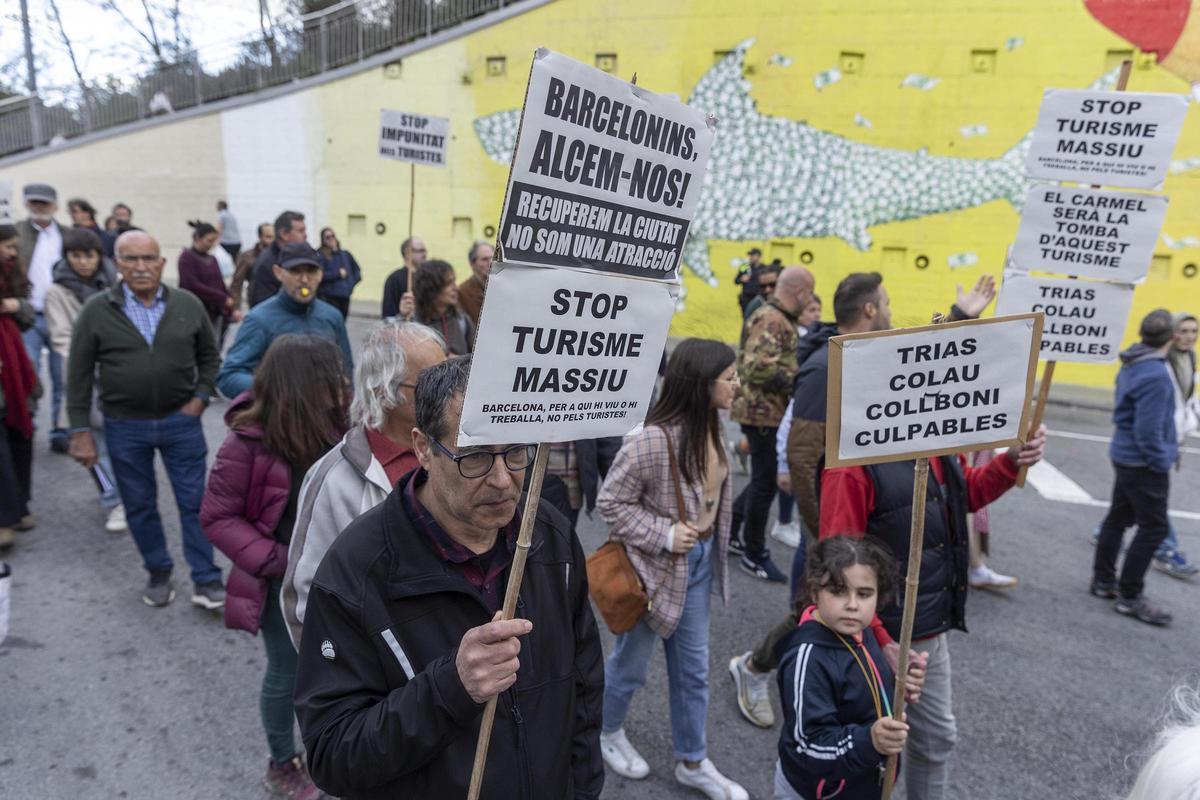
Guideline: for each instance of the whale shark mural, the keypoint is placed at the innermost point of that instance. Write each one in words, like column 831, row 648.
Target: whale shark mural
column 771, row 177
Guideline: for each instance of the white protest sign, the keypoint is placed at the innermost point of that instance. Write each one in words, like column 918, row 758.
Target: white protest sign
column 606, row 175
column 415, row 138
column 1085, row 320
column 7, row 215
column 930, row 391
column 1109, row 138
column 1088, row 232
column 563, row 355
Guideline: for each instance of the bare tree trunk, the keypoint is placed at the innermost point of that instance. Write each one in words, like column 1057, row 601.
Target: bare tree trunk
column 151, row 40
column 267, row 27
column 85, row 96
column 156, row 44
column 178, row 34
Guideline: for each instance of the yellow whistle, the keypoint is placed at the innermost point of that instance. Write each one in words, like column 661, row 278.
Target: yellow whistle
column 304, row 292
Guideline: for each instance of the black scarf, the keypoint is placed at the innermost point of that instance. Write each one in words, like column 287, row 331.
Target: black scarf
column 103, row 279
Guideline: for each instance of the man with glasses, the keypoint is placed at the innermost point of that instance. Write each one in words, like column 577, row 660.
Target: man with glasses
column 403, row 645
column 157, row 360
column 357, row 474
column 397, row 297
column 767, row 279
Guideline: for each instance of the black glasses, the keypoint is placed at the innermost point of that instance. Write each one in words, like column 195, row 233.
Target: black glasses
column 478, row 463
column 767, row 287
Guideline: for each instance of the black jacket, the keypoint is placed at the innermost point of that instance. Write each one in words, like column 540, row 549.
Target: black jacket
column 380, row 704
column 945, row 557
column 263, row 283
column 812, row 378
column 594, row 457
column 393, row 290
column 825, row 746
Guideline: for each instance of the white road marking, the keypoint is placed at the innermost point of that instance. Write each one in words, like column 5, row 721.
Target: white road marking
column 1052, row 484
column 1091, row 437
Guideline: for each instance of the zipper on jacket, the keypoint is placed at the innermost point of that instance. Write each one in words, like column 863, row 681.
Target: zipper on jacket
column 522, row 751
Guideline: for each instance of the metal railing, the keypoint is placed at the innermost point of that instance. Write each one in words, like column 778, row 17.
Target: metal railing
column 348, row 32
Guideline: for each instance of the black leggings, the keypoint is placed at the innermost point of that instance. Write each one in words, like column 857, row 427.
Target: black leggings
column 16, row 469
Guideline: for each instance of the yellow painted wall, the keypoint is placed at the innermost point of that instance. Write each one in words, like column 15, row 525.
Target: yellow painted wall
column 670, row 44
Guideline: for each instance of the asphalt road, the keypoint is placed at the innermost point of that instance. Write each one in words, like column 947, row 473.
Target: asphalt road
column 103, row 697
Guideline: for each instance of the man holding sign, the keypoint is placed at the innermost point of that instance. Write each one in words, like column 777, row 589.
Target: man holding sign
column 403, row 643
column 941, row 392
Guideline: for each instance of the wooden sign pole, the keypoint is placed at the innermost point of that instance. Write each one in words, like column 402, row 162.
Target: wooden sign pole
column 912, row 581
column 1039, row 411
column 516, row 574
column 916, row 541
column 412, row 204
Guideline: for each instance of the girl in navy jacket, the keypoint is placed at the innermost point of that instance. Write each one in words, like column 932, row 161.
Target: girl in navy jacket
column 834, row 683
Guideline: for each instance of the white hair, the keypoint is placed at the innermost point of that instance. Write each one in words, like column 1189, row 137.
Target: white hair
column 382, row 367
column 1173, row 771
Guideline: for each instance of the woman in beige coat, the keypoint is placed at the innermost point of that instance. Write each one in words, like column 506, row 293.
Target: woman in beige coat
column 678, row 556
column 84, row 271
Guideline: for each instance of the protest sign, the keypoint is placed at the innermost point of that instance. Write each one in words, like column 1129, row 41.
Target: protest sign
column 930, row 391
column 7, row 215
column 1088, row 232
column 563, row 355
column 1085, row 320
column 415, row 138
column 606, row 175
column 1108, row 138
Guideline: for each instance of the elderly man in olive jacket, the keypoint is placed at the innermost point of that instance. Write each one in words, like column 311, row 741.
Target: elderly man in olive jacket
column 157, row 362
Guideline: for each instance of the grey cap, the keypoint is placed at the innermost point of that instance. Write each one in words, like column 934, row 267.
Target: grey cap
column 42, row 192
column 297, row 254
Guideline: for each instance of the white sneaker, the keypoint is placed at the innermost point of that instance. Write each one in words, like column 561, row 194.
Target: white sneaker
column 983, row 577
column 788, row 534
column 753, row 699
column 706, row 779
column 116, row 520
column 621, row 756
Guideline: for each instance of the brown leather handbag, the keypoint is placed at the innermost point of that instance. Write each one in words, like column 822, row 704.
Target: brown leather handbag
column 615, row 587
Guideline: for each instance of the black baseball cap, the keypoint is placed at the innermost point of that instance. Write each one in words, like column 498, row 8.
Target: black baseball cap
column 296, row 254
column 754, row 251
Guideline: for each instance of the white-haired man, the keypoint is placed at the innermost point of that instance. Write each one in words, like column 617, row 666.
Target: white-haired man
column 357, row 474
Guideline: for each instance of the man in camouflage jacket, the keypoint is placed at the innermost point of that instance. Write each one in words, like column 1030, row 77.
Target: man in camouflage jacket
column 766, row 367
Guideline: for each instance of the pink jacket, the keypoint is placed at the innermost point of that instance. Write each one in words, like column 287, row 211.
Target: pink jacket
column 246, row 495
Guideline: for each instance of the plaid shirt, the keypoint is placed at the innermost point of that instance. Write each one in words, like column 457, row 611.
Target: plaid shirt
column 638, row 502
column 144, row 319
column 483, row 572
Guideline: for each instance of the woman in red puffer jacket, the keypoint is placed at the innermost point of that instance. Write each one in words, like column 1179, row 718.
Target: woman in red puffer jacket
column 294, row 413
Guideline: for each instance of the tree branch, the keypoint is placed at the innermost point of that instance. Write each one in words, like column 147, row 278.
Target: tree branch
column 85, row 98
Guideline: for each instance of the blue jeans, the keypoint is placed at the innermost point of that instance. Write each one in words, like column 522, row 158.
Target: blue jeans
column 112, row 498
column 786, row 504
column 36, row 338
column 279, row 681
column 799, row 560
column 687, row 664
column 1170, row 543
column 179, row 438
